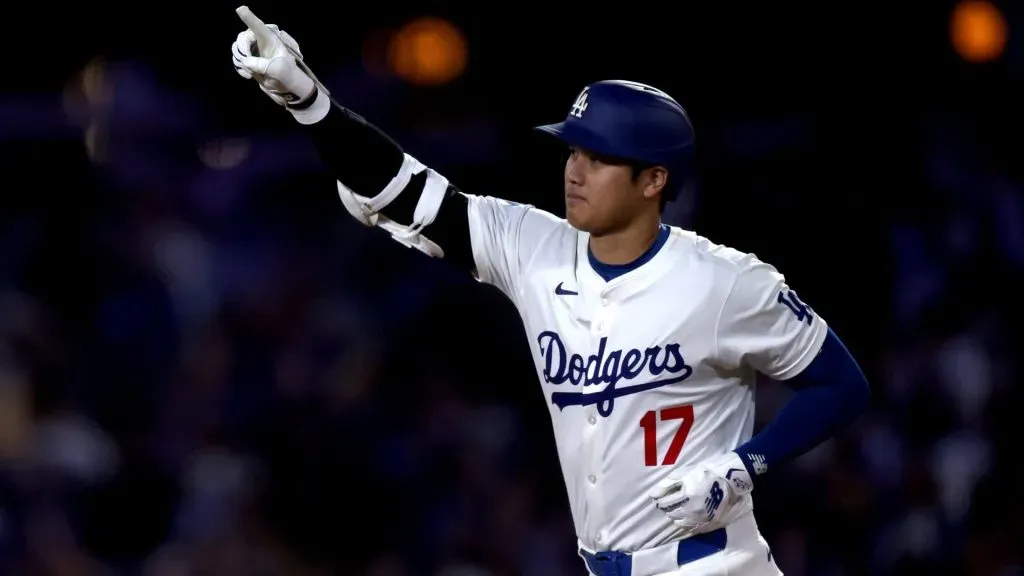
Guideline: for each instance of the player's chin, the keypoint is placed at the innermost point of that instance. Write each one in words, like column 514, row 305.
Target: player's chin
column 576, row 214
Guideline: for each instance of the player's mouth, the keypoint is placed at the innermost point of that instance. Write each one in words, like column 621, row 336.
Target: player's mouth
column 573, row 198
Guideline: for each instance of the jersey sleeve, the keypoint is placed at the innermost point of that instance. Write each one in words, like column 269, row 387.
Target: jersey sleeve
column 505, row 236
column 764, row 325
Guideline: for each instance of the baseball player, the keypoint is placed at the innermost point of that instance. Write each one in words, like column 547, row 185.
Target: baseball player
column 646, row 338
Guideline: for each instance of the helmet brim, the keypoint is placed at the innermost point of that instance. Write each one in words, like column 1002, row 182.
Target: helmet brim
column 575, row 135
column 572, row 134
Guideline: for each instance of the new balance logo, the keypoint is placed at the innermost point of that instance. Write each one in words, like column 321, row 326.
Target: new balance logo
column 757, row 461
column 714, row 500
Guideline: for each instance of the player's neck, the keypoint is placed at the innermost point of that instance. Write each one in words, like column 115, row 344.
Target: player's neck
column 626, row 245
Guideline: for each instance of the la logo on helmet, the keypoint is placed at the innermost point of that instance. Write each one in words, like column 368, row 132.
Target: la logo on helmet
column 580, row 106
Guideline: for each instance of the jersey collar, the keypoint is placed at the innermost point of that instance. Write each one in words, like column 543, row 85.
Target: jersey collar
column 595, row 291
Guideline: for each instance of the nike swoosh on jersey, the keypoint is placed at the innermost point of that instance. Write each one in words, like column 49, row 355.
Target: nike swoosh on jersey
column 563, row 292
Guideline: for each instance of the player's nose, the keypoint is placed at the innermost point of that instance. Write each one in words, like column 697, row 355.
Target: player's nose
column 573, row 173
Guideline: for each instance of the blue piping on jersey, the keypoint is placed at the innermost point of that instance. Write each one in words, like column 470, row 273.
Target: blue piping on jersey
column 611, row 271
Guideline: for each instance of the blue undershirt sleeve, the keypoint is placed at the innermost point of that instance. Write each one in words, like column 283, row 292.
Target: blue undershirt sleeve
column 829, row 395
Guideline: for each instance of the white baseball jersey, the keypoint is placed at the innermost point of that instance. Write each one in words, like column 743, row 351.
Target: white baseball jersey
column 644, row 374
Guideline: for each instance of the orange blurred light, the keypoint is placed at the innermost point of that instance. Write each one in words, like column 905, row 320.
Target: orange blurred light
column 978, row 31
column 428, row 51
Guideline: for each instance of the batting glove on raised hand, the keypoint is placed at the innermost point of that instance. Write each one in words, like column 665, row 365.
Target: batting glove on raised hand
column 704, row 492
column 262, row 53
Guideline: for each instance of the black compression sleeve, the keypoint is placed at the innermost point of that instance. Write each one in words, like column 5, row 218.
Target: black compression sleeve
column 365, row 159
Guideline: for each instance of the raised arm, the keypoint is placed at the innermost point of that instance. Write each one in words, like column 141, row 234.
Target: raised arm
column 378, row 183
column 381, row 185
column 370, row 165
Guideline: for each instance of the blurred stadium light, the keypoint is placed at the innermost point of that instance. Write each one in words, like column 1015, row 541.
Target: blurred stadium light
column 428, row 51
column 978, row 31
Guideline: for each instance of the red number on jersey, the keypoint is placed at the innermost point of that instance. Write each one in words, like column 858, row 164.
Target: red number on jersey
column 649, row 423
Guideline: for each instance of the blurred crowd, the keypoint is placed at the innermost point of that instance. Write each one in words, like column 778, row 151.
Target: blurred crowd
column 199, row 375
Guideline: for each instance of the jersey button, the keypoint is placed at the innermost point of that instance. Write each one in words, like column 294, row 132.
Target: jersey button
column 592, row 479
column 592, row 419
column 604, row 302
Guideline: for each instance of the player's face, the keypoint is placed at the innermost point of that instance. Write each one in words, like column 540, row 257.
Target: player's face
column 603, row 195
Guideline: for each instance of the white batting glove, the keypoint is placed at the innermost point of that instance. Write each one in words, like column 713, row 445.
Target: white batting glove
column 704, row 492
column 275, row 70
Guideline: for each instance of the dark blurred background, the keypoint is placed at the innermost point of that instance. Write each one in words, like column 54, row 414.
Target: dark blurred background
column 207, row 368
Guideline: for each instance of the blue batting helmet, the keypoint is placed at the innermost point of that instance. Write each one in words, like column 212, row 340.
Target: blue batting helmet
column 631, row 121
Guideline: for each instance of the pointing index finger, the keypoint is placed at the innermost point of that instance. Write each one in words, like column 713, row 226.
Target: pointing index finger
column 264, row 35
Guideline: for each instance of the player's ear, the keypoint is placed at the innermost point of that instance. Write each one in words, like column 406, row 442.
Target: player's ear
column 654, row 181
